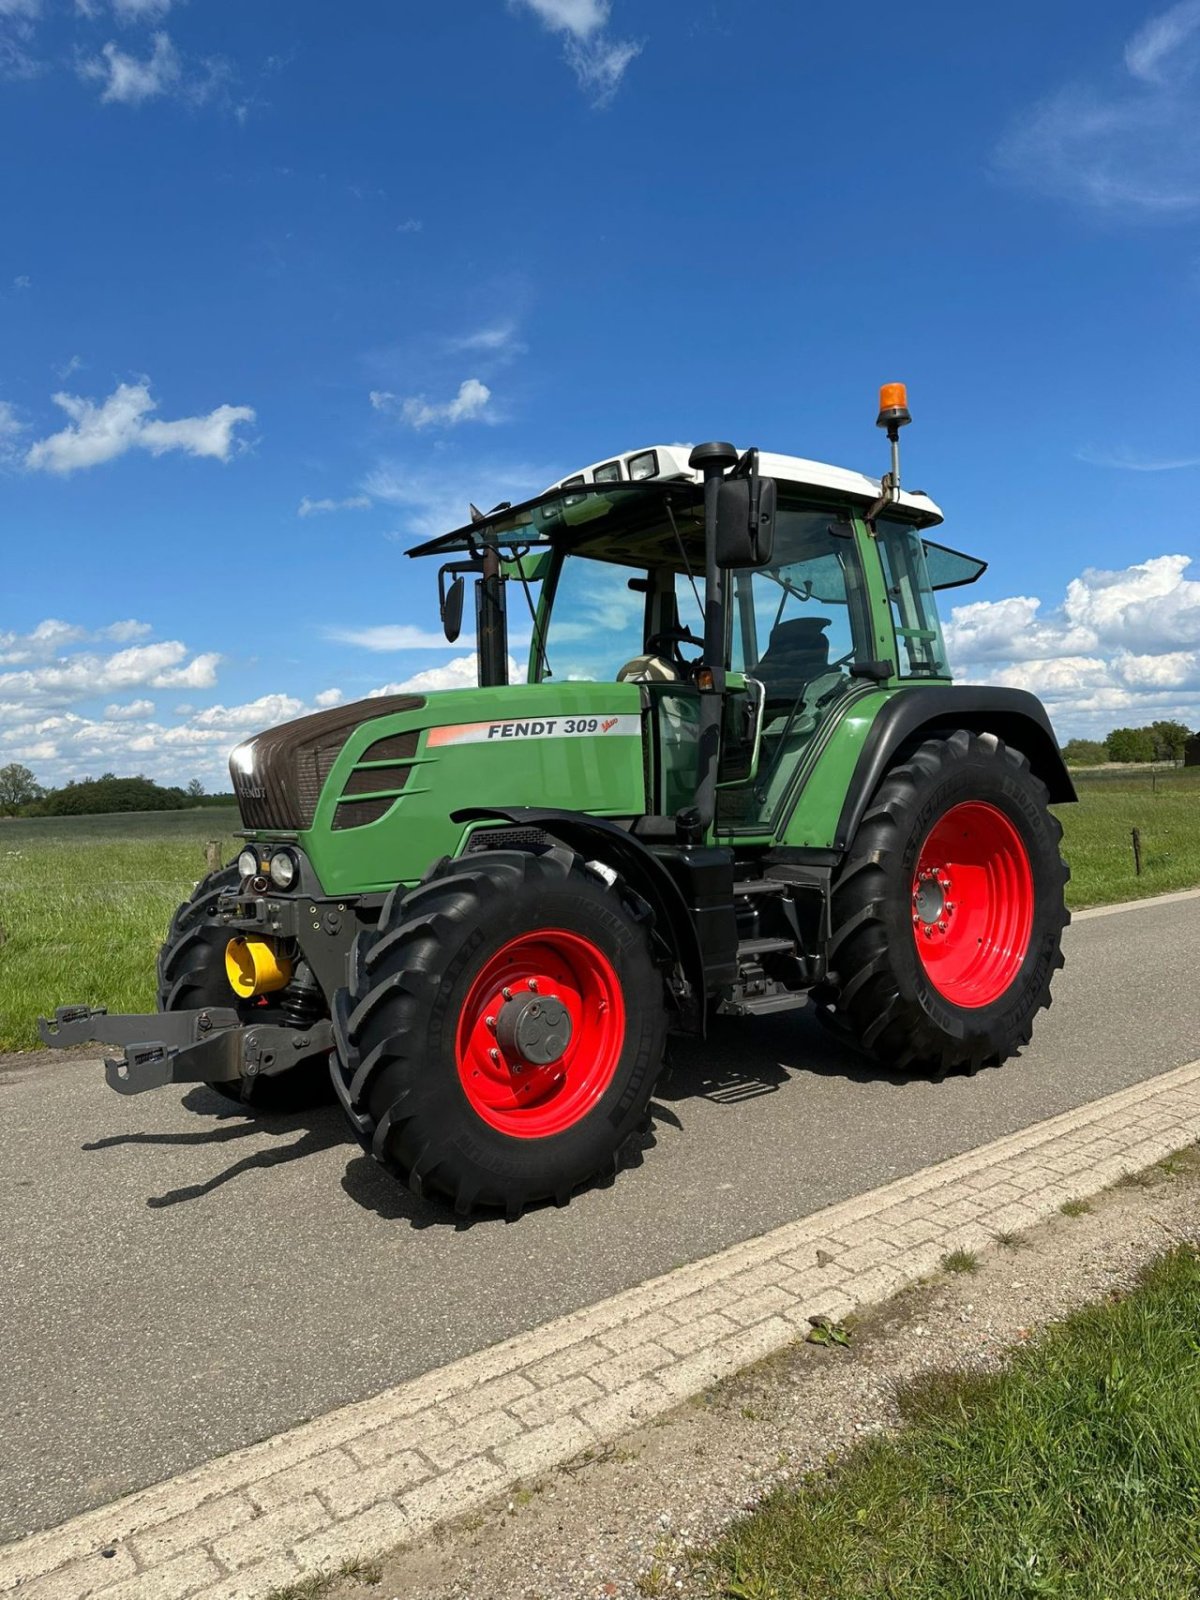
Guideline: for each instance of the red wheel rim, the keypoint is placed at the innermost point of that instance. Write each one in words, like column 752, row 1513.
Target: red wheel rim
column 972, row 904
column 523, row 1097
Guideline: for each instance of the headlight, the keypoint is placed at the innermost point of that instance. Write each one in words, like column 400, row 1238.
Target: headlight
column 247, row 863
column 283, row 869
column 643, row 466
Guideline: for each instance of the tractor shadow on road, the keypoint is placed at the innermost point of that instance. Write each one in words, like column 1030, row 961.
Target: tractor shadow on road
column 744, row 1059
column 319, row 1125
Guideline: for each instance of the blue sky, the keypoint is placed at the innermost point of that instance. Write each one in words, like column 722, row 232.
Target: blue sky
column 281, row 288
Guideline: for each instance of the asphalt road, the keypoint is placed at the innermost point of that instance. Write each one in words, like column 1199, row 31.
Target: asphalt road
column 178, row 1280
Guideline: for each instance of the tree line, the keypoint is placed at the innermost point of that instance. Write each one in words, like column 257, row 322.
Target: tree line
column 1159, row 741
column 21, row 795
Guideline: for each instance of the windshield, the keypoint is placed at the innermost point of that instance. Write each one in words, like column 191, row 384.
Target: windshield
column 603, row 614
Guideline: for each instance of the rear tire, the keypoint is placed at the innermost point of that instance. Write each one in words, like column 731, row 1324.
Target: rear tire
column 949, row 909
column 191, row 974
column 442, row 1093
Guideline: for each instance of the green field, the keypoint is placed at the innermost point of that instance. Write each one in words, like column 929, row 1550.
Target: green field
column 1074, row 1473
column 84, row 904
column 84, row 901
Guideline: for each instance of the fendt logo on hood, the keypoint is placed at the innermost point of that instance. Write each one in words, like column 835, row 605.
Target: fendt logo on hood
column 251, row 791
column 619, row 726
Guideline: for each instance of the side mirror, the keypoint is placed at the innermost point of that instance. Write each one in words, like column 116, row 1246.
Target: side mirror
column 451, row 606
column 745, row 521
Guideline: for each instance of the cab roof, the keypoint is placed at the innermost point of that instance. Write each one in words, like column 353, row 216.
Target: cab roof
column 666, row 465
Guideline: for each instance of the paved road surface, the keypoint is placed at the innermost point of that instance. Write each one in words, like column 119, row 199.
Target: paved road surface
column 177, row 1280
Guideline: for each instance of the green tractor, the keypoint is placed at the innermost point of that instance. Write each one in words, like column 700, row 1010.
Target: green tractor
column 734, row 779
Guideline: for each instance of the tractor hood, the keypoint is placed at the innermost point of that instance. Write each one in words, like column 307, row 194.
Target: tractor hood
column 369, row 789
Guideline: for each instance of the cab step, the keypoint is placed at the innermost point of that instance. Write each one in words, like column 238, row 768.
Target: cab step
column 752, row 948
column 764, row 1005
column 760, row 886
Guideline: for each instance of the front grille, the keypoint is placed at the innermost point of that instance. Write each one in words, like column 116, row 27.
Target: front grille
column 292, row 762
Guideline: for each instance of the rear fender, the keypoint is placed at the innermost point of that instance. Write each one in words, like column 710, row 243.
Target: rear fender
column 914, row 715
column 597, row 840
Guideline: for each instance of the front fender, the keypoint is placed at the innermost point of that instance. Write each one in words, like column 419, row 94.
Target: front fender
column 595, row 839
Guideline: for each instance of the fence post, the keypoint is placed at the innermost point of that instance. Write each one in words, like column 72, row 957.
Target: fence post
column 213, row 854
column 1137, row 852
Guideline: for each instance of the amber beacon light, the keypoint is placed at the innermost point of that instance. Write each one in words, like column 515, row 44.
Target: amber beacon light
column 893, row 406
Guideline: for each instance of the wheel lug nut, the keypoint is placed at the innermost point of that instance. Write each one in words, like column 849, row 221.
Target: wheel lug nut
column 495, row 1055
column 942, row 927
column 507, row 993
column 533, row 988
column 490, row 1022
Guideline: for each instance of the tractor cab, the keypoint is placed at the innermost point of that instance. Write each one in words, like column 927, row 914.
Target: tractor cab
column 613, row 581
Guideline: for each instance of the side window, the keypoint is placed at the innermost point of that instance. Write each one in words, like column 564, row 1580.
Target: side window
column 921, row 651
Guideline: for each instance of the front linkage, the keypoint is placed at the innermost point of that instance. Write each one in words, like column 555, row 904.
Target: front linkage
column 210, row 1045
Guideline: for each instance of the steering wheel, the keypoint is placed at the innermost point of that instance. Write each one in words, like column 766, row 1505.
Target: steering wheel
column 666, row 643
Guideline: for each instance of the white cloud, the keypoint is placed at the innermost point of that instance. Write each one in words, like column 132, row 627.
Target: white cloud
column 388, row 636
column 1127, row 461
column 460, row 673
column 133, row 709
column 1154, row 52
column 598, row 60
column 500, row 338
column 327, row 698
column 470, row 404
column 1122, row 646
column 130, row 80
column 67, row 679
column 22, row 282
column 382, row 399
column 103, row 431
column 24, row 9
column 140, row 10
column 123, row 632
column 1130, row 146
column 436, row 499
column 316, row 508
column 410, row 225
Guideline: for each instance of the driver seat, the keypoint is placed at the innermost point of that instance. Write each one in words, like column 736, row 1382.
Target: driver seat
column 650, row 669
column 798, row 652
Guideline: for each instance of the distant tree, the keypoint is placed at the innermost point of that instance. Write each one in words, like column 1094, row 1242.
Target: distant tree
column 196, row 789
column 1084, row 752
column 18, row 787
column 93, row 796
column 1170, row 740
column 1130, row 744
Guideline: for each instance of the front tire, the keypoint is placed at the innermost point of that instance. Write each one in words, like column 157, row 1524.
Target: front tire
column 502, row 1032
column 949, row 909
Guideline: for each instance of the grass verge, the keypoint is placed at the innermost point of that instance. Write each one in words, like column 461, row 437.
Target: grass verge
column 84, row 905
column 1165, row 809
column 1073, row 1474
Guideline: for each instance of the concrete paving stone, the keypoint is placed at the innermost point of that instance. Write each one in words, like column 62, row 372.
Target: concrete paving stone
column 567, row 1363
column 864, row 1256
column 170, row 1580
column 315, row 1474
column 79, row 1579
column 625, row 1408
column 763, row 1339
column 764, row 1304
column 473, row 1438
column 357, row 1539
column 641, row 1331
column 454, row 1492
column 204, row 1522
column 266, row 1534
column 535, row 1410
column 501, row 1391
column 618, row 1371
column 252, row 1583
column 348, row 1496
column 704, row 1331
column 544, row 1448
column 409, row 1433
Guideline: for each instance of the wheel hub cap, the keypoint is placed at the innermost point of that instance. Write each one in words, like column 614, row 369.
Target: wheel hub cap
column 530, row 1028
